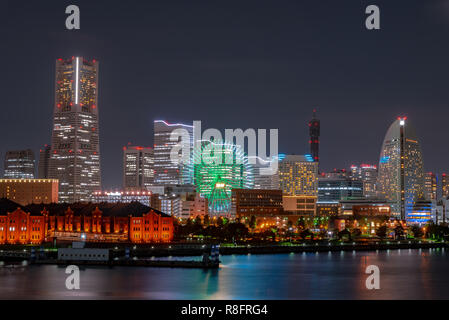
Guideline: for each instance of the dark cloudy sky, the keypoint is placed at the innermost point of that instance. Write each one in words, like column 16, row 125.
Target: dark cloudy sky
column 235, row 64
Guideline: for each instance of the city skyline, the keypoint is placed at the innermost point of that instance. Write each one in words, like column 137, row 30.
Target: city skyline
column 223, row 82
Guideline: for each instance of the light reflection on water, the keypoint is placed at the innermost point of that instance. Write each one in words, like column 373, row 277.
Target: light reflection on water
column 406, row 274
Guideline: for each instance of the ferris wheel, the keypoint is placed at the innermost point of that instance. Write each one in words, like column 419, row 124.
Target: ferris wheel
column 214, row 179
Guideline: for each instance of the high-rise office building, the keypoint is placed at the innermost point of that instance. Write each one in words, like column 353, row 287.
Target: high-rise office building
column 166, row 172
column 19, row 164
column 368, row 175
column 401, row 175
column 336, row 189
column 314, row 142
column 430, row 186
column 445, row 185
column 138, row 167
column 298, row 175
column 75, row 148
column 44, row 159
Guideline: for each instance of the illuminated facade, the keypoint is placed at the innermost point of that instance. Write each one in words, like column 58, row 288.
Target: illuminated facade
column 165, row 171
column 143, row 197
column 19, row 227
column 298, row 175
column 430, row 186
column 327, row 209
column 365, row 208
column 44, row 160
column 36, row 224
column 422, row 212
column 262, row 180
column 193, row 206
column 257, row 203
column 171, row 205
column 75, row 149
column 27, row 191
column 19, row 164
column 445, row 185
column 368, row 175
column 138, row 167
column 401, row 175
column 300, row 205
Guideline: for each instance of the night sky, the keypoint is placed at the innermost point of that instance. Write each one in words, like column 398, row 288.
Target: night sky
column 235, row 64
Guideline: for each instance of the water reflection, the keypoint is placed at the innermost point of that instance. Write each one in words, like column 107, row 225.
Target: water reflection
column 406, row 274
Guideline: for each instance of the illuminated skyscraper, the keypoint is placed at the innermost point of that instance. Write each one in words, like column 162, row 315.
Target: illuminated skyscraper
column 138, row 168
column 75, row 149
column 19, row 164
column 298, row 175
column 430, row 186
column 336, row 189
column 368, row 174
column 165, row 171
column 314, row 131
column 401, row 175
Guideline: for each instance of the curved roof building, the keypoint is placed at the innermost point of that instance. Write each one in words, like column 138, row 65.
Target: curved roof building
column 401, row 173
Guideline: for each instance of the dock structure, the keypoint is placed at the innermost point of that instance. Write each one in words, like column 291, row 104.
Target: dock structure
column 79, row 255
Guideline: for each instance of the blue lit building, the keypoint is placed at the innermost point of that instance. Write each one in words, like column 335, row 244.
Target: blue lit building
column 422, row 212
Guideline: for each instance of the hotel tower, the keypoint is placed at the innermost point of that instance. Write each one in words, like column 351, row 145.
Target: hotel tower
column 75, row 150
column 401, row 175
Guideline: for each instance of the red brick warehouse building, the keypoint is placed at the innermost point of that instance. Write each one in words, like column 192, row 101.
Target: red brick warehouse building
column 103, row 222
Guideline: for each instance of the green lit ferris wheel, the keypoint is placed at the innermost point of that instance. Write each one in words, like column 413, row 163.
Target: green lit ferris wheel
column 215, row 168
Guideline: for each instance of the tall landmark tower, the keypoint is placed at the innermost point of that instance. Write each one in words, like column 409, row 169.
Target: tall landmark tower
column 75, row 150
column 314, row 131
column 401, row 174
